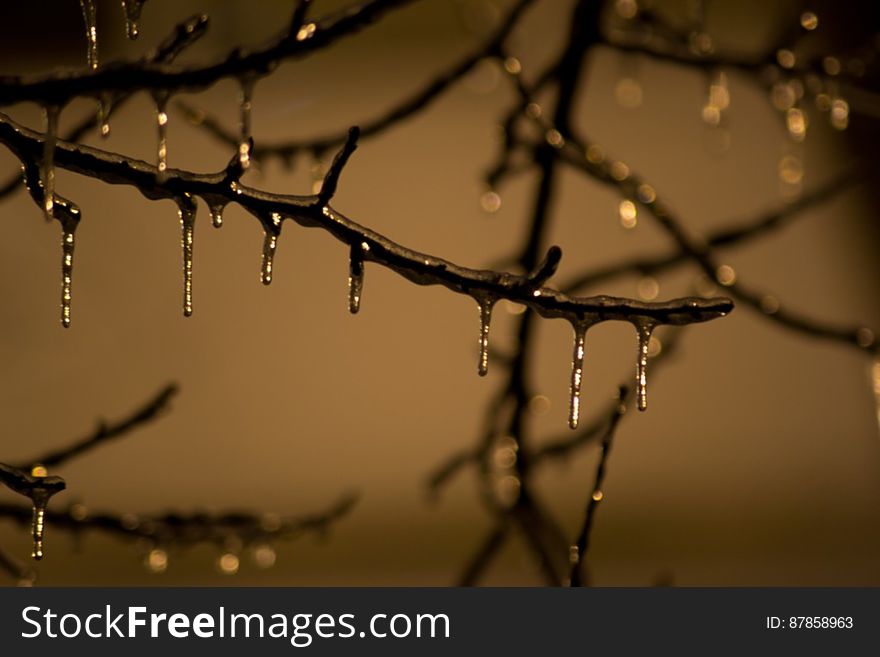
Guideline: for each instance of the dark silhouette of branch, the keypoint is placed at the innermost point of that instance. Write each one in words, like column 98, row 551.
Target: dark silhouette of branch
column 15, row 569
column 485, row 553
column 393, row 116
column 633, row 187
column 106, row 432
column 581, row 545
column 737, row 233
column 182, row 37
column 310, row 211
column 59, row 88
column 188, row 529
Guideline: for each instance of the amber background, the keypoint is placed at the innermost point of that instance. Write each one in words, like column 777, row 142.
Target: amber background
column 757, row 463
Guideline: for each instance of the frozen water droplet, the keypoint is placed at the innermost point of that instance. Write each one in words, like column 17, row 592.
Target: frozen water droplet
column 38, row 526
column 485, row 303
column 217, row 214
column 577, row 371
column 89, row 17
column 270, row 243
column 104, row 105
column 644, row 330
column 67, row 246
column 355, row 279
column 47, row 166
column 187, row 212
column 161, row 98
column 244, row 149
column 132, row 9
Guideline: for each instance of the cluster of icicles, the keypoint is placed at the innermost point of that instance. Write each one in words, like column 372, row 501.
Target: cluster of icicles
column 644, row 329
column 272, row 223
column 187, row 207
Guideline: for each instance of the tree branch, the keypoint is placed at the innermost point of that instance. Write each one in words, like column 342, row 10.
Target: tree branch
column 309, row 211
column 188, row 529
column 582, row 543
column 107, row 432
column 59, row 88
column 408, row 107
column 182, row 37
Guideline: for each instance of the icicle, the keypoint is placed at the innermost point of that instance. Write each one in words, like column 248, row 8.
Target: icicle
column 89, row 17
column 47, row 167
column 244, row 149
column 104, row 104
column 485, row 303
column 38, row 526
column 270, row 243
column 187, row 211
column 577, row 371
column 217, row 214
column 67, row 247
column 161, row 98
column 132, row 10
column 644, row 329
column 356, row 277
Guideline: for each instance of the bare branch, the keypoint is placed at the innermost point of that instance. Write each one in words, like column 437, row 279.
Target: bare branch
column 107, row 432
column 408, row 107
column 582, row 543
column 737, row 233
column 188, row 529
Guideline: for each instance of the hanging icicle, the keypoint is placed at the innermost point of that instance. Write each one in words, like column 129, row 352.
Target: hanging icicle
column 485, row 304
column 104, row 106
column 67, row 247
column 39, row 488
column 90, row 19
column 187, row 211
column 132, row 9
column 577, row 372
column 644, row 328
column 356, row 276
column 161, row 98
column 271, row 232
column 217, row 214
column 244, row 147
column 47, row 166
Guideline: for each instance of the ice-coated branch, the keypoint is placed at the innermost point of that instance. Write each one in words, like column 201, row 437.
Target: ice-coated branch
column 409, row 106
column 182, row 37
column 59, row 88
column 311, row 211
column 37, row 487
column 105, row 432
column 187, row 529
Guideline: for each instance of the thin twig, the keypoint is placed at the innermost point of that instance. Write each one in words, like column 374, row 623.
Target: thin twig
column 104, row 433
column 187, row 529
column 392, row 117
column 582, row 543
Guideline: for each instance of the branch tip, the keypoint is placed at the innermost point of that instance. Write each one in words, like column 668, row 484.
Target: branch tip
column 331, row 179
column 546, row 268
